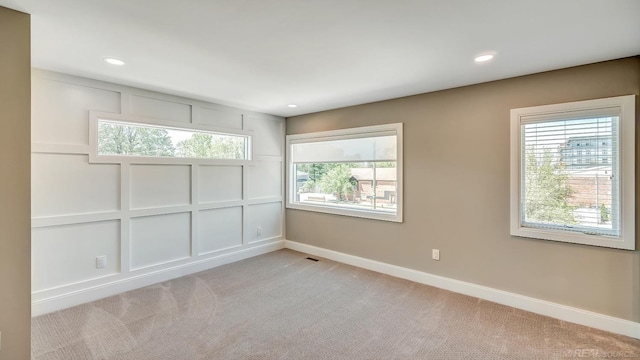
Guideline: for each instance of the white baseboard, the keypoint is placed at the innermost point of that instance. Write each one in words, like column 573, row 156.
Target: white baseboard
column 542, row 307
column 63, row 301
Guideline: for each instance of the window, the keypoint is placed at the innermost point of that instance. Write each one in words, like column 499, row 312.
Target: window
column 353, row 172
column 553, row 197
column 113, row 137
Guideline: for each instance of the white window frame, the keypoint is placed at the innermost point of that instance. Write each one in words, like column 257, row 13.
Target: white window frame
column 351, row 133
column 94, row 157
column 622, row 106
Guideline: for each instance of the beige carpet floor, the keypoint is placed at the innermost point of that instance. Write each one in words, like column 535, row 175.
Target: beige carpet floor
column 283, row 306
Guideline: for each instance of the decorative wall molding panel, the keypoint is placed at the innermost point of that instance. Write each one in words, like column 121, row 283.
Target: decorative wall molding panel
column 153, row 220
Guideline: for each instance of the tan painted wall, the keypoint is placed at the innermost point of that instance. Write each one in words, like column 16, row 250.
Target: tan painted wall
column 15, row 185
column 456, row 169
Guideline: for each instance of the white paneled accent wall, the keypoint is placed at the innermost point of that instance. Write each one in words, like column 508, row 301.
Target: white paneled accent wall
column 222, row 118
column 219, row 229
column 66, row 253
column 219, row 183
column 153, row 186
column 160, row 239
column 59, row 110
column 160, row 109
column 266, row 218
column 150, row 220
column 55, row 190
column 264, row 179
column 268, row 144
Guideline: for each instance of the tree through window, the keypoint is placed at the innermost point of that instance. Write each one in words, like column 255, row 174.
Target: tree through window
column 134, row 139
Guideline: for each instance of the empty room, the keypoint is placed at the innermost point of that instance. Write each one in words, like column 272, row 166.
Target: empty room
column 307, row 179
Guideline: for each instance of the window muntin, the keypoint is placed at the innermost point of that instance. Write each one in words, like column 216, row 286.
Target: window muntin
column 560, row 193
column 355, row 172
column 120, row 138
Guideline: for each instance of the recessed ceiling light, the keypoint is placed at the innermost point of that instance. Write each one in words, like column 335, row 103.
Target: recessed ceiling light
column 292, row 105
column 113, row 61
column 483, row 58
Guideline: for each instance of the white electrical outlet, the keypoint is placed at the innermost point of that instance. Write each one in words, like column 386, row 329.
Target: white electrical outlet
column 435, row 254
column 101, row 261
column 259, row 232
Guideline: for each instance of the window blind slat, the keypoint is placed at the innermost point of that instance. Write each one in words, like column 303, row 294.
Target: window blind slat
column 570, row 175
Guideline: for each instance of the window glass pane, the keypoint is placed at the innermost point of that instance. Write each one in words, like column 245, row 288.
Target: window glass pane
column 370, row 186
column 566, row 188
column 352, row 172
column 127, row 139
column 377, row 148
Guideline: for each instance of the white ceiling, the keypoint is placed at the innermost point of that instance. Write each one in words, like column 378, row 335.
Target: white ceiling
column 321, row 54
